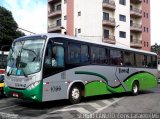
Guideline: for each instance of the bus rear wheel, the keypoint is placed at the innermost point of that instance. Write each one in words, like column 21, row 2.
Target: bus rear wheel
column 135, row 88
column 75, row 94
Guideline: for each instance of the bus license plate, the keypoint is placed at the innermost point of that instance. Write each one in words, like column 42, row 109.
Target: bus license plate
column 15, row 95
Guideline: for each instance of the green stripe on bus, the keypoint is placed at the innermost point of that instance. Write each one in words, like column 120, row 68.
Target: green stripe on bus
column 34, row 94
column 91, row 73
column 110, row 89
column 146, row 81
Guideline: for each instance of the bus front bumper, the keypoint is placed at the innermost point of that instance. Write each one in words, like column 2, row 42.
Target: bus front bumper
column 34, row 94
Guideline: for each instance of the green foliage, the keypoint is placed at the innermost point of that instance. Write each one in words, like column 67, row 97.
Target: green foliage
column 8, row 27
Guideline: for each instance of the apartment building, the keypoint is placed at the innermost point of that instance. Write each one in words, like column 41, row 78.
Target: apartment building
column 120, row 22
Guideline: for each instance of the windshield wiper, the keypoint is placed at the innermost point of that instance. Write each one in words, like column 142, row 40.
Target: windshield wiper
column 24, row 73
column 19, row 63
column 10, row 70
column 31, row 51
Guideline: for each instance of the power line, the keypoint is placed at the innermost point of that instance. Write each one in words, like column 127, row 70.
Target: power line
column 26, row 30
column 2, row 27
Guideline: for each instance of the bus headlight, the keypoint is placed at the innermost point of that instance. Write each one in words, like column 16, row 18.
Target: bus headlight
column 33, row 85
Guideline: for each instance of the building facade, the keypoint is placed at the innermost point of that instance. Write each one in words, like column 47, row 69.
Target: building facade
column 120, row 22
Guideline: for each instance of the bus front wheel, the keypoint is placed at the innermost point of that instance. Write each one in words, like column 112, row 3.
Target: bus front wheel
column 75, row 94
column 135, row 88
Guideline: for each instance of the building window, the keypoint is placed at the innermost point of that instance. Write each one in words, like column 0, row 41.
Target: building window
column 106, row 33
column 122, row 2
column 144, row 14
column 147, row 1
column 122, row 34
column 144, row 0
column 144, row 44
column 131, row 38
column 144, row 29
column 65, row 17
column 65, row 1
column 79, row 13
column 147, row 44
column 58, row 22
column 105, row 16
column 106, row 1
column 147, row 15
column 58, row 7
column 79, row 30
column 122, row 18
column 147, row 29
column 131, row 23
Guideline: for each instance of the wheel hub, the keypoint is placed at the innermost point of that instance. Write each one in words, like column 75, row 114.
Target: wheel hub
column 75, row 93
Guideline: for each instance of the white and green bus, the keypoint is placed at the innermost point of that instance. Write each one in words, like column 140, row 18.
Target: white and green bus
column 53, row 67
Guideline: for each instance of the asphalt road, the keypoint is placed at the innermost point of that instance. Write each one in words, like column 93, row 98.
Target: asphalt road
column 145, row 102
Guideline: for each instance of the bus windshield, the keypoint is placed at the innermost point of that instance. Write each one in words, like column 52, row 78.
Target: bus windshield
column 25, row 57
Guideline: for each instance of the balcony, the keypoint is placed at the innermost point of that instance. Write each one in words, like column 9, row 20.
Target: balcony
column 54, row 13
column 56, row 28
column 136, row 43
column 53, row 1
column 135, row 12
column 136, row 1
column 109, row 39
column 109, row 4
column 136, row 27
column 109, row 22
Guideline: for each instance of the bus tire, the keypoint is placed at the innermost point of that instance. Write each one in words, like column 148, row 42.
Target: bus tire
column 135, row 88
column 75, row 94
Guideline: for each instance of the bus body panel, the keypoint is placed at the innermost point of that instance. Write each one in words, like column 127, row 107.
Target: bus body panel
column 97, row 80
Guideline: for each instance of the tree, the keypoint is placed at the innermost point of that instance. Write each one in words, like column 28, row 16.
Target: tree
column 156, row 48
column 8, row 27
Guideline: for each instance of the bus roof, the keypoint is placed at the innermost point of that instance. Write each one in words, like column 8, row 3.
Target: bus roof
column 51, row 35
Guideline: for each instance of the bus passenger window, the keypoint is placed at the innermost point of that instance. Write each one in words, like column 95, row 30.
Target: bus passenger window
column 128, row 58
column 145, row 61
column 74, row 53
column 58, row 56
column 116, row 57
column 84, row 54
column 95, row 55
column 154, row 62
column 139, row 60
column 149, row 61
column 102, row 54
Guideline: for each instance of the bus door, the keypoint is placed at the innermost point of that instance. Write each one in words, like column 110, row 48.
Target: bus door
column 53, row 72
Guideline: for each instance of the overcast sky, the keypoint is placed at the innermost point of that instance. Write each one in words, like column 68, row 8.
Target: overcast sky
column 32, row 15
